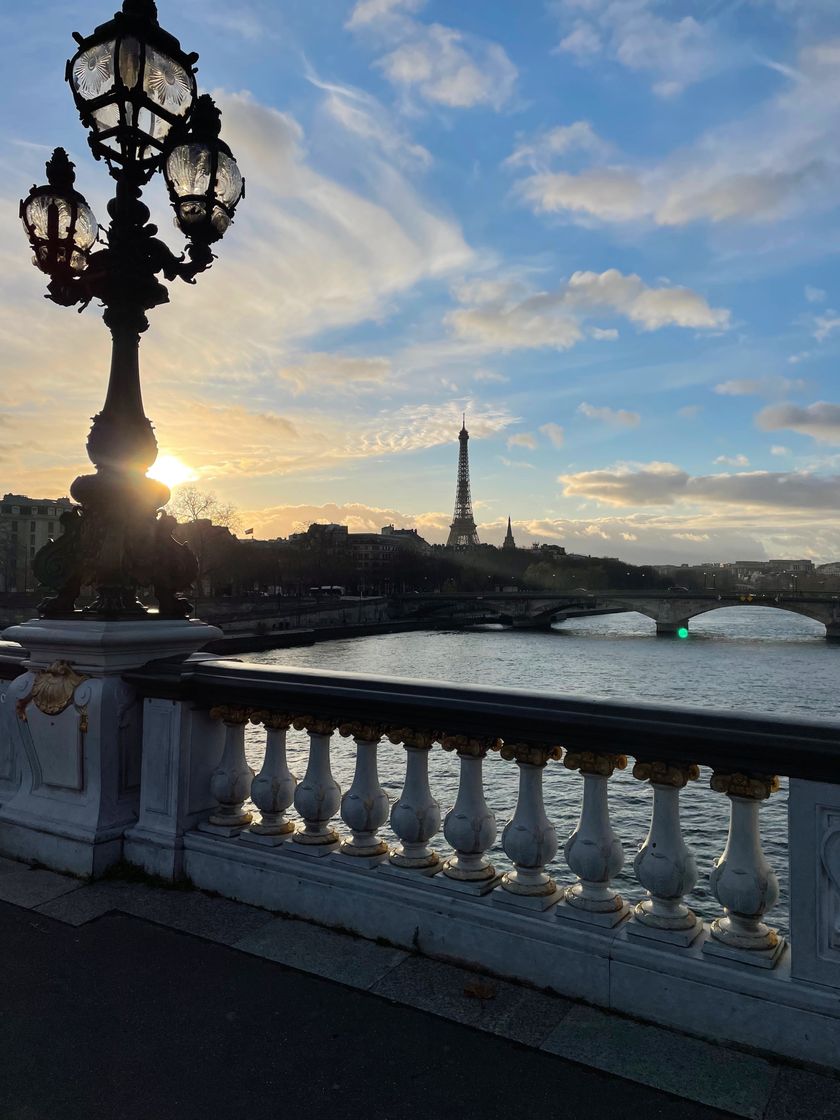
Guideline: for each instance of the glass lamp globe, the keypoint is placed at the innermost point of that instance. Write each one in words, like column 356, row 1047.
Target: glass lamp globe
column 58, row 221
column 132, row 84
column 204, row 180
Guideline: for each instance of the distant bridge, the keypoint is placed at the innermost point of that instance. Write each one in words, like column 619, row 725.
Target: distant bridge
column 670, row 610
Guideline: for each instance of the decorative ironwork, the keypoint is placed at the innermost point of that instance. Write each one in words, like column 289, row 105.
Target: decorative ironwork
column 135, row 90
column 463, row 532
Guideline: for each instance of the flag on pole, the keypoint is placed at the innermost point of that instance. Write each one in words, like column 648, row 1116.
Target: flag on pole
column 249, row 532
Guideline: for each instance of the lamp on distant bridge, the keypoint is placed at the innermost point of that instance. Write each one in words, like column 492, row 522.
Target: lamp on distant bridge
column 135, row 89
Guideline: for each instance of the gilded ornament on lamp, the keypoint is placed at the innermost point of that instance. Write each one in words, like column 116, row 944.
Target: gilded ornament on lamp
column 469, row 746
column 52, row 691
column 272, row 721
column 423, row 740
column 364, row 732
column 675, row 774
column 754, row 787
column 534, row 754
column 315, row 725
column 588, row 762
column 231, row 714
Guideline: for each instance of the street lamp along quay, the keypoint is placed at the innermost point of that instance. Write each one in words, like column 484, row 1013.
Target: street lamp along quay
column 135, row 89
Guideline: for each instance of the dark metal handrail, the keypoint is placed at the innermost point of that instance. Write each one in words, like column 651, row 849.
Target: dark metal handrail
column 725, row 741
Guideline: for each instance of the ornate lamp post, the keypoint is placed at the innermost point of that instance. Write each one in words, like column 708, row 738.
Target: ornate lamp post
column 135, row 90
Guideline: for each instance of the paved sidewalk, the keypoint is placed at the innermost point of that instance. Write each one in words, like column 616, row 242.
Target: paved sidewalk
column 105, row 1012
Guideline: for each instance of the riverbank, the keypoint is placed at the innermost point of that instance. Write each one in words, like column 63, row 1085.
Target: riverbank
column 286, row 639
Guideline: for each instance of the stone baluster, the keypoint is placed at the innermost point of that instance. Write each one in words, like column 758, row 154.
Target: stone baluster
column 365, row 805
column 231, row 781
column 593, row 851
column 273, row 788
column 664, row 866
column 415, row 816
column 529, row 838
column 742, row 880
column 470, row 826
column 318, row 794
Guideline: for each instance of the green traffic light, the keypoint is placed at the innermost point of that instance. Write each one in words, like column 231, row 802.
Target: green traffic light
column 682, row 632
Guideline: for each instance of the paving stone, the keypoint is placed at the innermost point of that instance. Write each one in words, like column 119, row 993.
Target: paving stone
column 30, row 887
column 797, row 1093
column 323, row 952
column 688, row 1067
column 7, row 865
column 91, row 902
column 214, row 919
column 467, row 997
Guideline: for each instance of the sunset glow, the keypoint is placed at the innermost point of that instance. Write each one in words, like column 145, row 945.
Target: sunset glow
column 171, row 471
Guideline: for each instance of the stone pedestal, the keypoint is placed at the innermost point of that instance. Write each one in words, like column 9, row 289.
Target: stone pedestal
column 74, row 730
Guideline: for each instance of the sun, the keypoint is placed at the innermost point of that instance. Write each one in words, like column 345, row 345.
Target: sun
column 171, row 471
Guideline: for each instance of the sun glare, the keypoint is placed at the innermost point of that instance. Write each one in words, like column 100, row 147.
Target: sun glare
column 171, row 471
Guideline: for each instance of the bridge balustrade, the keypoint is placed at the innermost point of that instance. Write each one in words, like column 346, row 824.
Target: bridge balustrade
column 449, row 881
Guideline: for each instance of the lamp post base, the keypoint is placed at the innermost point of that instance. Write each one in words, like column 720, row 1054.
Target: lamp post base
column 75, row 730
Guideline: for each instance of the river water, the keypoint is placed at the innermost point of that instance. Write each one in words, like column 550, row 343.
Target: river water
column 740, row 659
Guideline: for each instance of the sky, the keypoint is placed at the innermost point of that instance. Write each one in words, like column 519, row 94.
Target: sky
column 608, row 230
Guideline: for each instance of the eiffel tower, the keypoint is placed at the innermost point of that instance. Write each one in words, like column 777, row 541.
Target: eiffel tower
column 462, row 532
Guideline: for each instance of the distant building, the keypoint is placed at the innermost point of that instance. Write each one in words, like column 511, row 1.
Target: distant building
column 832, row 569
column 26, row 525
column 509, row 542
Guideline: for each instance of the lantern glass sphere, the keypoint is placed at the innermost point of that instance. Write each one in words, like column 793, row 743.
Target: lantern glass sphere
column 132, row 94
column 206, row 185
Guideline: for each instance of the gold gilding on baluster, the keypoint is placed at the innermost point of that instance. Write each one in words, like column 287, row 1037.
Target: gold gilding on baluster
column 423, row 740
column 588, row 762
column 674, row 774
column 272, row 721
column 754, row 787
column 315, row 725
column 364, row 732
column 230, row 714
column 534, row 754
column 471, row 747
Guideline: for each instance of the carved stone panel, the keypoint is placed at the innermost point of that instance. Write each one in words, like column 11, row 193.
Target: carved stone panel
column 814, row 841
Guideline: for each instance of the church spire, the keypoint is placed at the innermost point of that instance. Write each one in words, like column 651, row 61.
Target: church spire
column 509, row 542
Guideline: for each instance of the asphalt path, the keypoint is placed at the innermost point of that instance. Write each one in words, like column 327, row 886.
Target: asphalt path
column 121, row 1019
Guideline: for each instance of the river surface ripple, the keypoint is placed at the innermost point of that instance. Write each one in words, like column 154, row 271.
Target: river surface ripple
column 739, row 659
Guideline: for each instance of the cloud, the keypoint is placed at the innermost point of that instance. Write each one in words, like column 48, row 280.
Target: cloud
column 554, row 433
column 609, row 334
column 489, row 377
column 814, row 295
column 342, row 373
column 504, row 317
column 759, row 387
column 675, row 53
column 825, row 325
column 363, row 117
column 373, row 11
column 778, row 449
column 621, row 417
column 777, row 161
column 733, row 460
column 663, row 484
column 578, row 136
column 689, row 411
column 523, row 439
column 518, row 463
column 820, row 420
column 442, row 65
